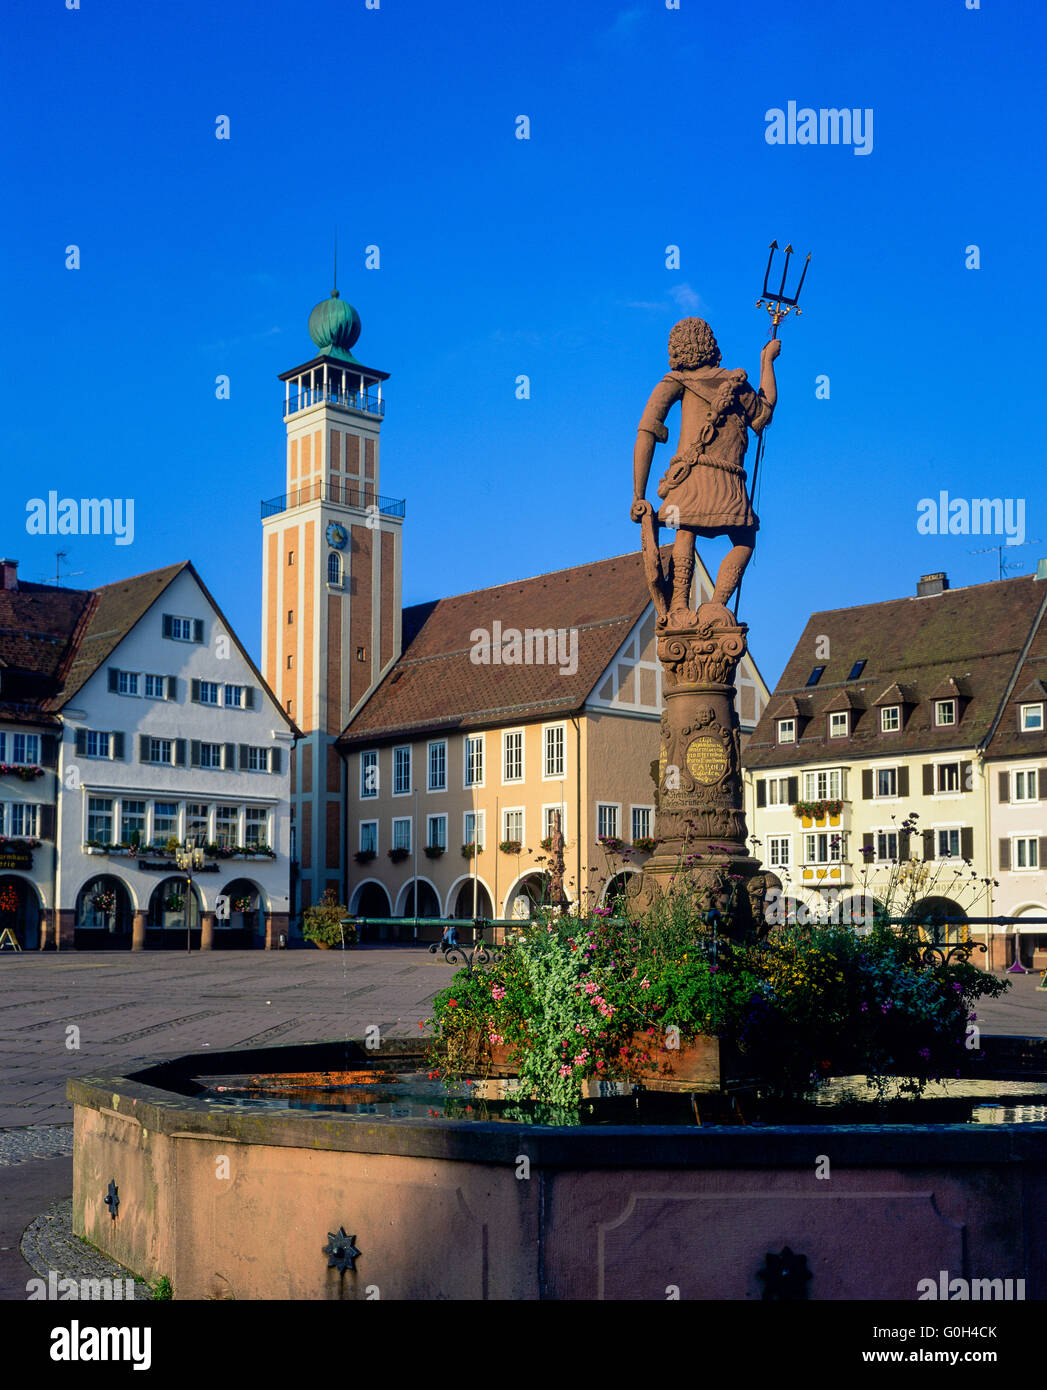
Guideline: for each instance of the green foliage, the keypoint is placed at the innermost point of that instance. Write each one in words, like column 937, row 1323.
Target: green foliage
column 322, row 922
column 161, row 1289
column 573, row 998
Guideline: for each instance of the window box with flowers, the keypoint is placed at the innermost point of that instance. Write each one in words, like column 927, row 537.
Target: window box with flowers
column 434, row 851
column 471, row 849
column 611, row 843
column 645, row 844
column 510, row 846
column 18, row 842
column 28, row 772
column 104, row 901
column 364, row 856
column 818, row 812
column 398, row 854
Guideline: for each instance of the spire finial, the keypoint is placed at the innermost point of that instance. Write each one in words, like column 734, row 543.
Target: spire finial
column 334, row 291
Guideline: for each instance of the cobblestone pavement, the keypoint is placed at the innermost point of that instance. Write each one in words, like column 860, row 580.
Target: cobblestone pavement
column 48, row 1246
column 37, row 1141
column 78, row 1013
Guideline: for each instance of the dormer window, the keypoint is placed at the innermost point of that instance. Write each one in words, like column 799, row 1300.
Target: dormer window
column 890, row 719
column 838, row 725
column 816, row 675
column 944, row 713
column 1031, row 719
column 786, row 730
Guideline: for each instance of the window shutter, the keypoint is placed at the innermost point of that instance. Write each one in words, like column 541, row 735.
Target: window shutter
column 81, row 741
column 967, row 842
column 194, row 752
column 904, row 846
column 867, row 784
column 179, row 752
column 928, row 779
column 966, row 780
column 229, row 761
column 1005, row 854
column 245, row 758
column 118, row 746
column 198, row 629
column 867, row 842
column 46, row 822
column 903, row 781
column 168, row 625
column 114, row 678
column 1043, row 851
column 172, row 687
column 47, row 750
column 143, row 748
column 248, row 697
column 761, row 792
column 928, row 844
column 276, row 759
column 194, row 691
column 1005, row 786
column 794, row 790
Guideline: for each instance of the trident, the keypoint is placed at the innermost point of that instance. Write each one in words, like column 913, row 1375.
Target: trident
column 779, row 305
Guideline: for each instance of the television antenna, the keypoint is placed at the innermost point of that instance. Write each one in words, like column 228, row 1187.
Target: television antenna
column 998, row 550
column 61, row 555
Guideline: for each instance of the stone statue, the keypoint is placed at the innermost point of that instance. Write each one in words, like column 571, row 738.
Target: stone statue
column 704, row 489
column 557, row 896
column 699, row 807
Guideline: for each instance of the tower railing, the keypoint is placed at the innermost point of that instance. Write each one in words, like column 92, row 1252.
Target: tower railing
column 363, row 401
column 347, row 495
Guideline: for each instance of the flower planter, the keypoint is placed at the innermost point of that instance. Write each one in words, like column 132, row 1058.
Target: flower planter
column 834, row 820
column 819, row 821
column 806, row 822
column 701, row 1064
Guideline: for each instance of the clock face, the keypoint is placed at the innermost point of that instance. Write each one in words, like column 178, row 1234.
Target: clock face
column 337, row 536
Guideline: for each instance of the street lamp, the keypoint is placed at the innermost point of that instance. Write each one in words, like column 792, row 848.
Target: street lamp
column 188, row 857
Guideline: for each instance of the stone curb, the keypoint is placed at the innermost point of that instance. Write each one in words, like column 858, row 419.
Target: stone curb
column 49, row 1245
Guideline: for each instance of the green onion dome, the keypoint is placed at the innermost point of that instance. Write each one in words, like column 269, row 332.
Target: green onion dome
column 334, row 327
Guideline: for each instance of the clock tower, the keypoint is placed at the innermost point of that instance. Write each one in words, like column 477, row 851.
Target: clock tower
column 331, row 560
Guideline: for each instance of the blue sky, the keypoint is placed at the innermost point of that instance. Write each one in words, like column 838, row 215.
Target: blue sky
column 502, row 257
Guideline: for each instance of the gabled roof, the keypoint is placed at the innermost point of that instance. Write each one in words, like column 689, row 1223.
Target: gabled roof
column 963, row 641
column 438, row 683
column 39, row 624
column 1028, row 687
column 117, row 608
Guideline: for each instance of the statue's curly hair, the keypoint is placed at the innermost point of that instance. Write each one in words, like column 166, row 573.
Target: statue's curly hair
column 691, row 345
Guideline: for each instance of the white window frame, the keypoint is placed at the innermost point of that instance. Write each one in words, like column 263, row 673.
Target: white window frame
column 30, row 749
column 640, row 806
column 785, row 725
column 835, row 732
column 1026, row 773
column 547, row 730
column 360, row 835
column 1034, row 841
column 88, row 813
column 780, row 796
column 159, row 743
column 940, row 830
column 403, row 820
column 429, row 821
column 435, row 743
column 97, row 735
column 939, row 707
column 479, row 819
column 886, row 830
column 896, row 711
column 1023, row 716
column 233, row 704
column 616, row 807
column 216, row 686
column 154, row 833
column 479, row 741
column 161, row 680
column 775, row 844
column 404, row 748
column 131, row 678
column 547, row 809
column 836, row 853
column 365, row 755
column 885, row 796
column 840, row 794
column 176, row 636
column 520, row 811
column 957, row 763
column 508, row 734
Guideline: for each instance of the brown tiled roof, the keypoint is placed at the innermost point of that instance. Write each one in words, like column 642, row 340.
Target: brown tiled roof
column 39, row 624
column 972, row 636
column 1029, row 686
column 436, row 684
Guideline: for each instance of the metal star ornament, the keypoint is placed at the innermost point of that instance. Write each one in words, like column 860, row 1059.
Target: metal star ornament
column 785, row 1276
column 112, row 1199
column 341, row 1251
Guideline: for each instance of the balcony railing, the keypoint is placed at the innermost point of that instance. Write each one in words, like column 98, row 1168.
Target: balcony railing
column 348, row 496
column 362, row 401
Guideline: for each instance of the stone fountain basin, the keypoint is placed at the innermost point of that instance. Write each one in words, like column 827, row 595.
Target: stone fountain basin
column 239, row 1203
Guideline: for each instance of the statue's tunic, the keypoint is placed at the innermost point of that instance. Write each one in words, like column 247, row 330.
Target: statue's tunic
column 705, row 484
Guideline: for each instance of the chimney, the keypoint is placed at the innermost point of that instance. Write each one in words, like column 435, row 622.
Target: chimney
column 932, row 584
column 9, row 572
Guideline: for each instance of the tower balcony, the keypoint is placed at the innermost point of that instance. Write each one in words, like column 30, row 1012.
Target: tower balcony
column 345, row 495
column 358, row 402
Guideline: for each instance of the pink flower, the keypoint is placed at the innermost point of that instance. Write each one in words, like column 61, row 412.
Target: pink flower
column 497, row 993
column 645, row 983
column 565, row 1071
